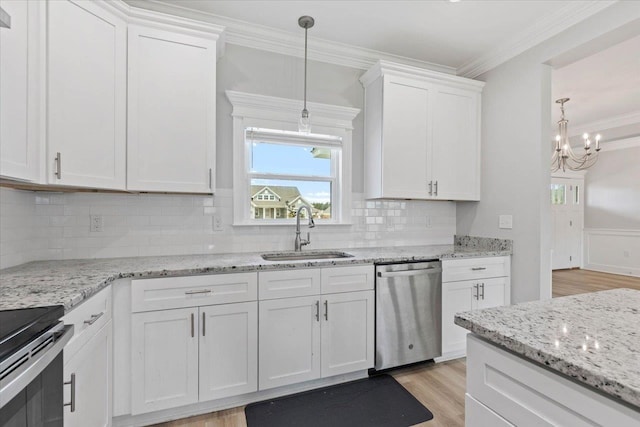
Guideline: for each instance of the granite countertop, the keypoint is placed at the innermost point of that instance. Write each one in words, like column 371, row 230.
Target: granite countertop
column 592, row 338
column 70, row 282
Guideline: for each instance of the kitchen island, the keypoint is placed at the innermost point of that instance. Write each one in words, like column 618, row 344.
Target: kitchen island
column 568, row 361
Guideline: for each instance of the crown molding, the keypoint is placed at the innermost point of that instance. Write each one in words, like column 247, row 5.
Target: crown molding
column 608, row 123
column 285, row 109
column 269, row 39
column 565, row 17
column 382, row 68
column 162, row 20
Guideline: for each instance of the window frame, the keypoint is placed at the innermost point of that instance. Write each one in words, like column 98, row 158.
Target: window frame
column 281, row 114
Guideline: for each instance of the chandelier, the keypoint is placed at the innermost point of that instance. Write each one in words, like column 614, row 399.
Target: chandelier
column 563, row 156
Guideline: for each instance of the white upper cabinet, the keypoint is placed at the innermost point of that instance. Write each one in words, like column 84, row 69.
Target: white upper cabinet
column 171, row 110
column 19, row 142
column 455, row 162
column 87, row 83
column 422, row 134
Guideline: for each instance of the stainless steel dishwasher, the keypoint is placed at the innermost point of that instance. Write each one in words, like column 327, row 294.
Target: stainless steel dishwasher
column 408, row 313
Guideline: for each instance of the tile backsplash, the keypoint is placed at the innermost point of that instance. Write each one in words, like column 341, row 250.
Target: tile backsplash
column 43, row 225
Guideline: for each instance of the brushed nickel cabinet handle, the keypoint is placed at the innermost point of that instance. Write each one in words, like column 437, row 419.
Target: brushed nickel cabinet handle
column 430, row 188
column 58, row 161
column 482, row 292
column 192, row 326
column 478, row 268
column 318, row 311
column 435, row 189
column 94, row 318
column 203, row 291
column 210, row 179
column 72, row 401
column 203, row 323
column 475, row 287
column 326, row 310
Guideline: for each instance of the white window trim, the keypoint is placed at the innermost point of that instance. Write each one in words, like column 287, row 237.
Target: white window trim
column 268, row 112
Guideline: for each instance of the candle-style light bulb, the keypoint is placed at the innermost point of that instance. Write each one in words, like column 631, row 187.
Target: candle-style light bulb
column 598, row 137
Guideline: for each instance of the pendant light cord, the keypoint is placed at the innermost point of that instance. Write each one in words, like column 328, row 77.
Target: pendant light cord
column 305, row 68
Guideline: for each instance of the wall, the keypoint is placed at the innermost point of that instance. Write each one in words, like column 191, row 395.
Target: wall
column 612, row 190
column 516, row 140
column 37, row 226
column 612, row 213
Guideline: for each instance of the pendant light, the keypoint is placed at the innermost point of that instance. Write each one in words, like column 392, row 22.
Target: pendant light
column 304, row 124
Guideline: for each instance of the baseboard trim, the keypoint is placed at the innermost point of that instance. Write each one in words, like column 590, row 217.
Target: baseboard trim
column 229, row 402
column 623, row 271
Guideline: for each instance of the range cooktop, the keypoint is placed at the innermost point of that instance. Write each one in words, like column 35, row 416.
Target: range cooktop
column 18, row 327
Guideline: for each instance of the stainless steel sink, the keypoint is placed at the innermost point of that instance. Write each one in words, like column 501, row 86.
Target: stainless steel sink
column 302, row 256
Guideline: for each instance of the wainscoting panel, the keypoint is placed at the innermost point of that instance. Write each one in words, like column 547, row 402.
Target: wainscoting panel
column 612, row 251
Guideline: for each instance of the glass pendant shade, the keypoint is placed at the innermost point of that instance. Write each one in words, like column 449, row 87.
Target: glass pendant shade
column 304, row 124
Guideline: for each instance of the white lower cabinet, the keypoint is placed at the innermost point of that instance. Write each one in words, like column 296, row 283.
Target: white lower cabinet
column 289, row 341
column 481, row 290
column 90, row 371
column 164, row 363
column 191, row 355
column 228, row 350
column 315, row 337
column 347, row 333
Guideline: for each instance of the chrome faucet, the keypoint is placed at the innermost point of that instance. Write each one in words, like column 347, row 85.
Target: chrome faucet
column 302, row 242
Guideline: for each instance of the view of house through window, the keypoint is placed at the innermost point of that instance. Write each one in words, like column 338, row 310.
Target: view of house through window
column 284, row 176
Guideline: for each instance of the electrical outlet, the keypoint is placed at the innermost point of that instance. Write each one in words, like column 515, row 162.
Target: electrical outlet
column 217, row 223
column 97, row 224
column 505, row 221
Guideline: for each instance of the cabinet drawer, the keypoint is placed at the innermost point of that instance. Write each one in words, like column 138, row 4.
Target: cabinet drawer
column 87, row 319
column 289, row 283
column 178, row 292
column 474, row 268
column 347, row 279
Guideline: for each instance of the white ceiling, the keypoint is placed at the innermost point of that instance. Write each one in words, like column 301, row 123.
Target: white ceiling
column 455, row 35
column 604, row 89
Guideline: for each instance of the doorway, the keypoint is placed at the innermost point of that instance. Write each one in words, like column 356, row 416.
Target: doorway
column 567, row 218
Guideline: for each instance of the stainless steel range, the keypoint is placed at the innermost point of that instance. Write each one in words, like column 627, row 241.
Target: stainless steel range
column 31, row 383
column 408, row 313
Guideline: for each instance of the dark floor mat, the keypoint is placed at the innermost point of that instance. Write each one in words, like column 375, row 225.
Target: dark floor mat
column 374, row 401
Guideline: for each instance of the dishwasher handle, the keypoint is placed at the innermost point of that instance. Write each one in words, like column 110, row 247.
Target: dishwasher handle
column 406, row 273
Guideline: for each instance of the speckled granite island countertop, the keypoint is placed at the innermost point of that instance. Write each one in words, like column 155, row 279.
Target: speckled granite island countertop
column 70, row 282
column 592, row 338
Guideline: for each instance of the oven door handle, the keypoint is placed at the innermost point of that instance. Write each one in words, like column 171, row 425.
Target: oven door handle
column 35, row 361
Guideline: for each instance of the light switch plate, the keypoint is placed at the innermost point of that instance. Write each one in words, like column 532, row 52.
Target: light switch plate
column 505, row 221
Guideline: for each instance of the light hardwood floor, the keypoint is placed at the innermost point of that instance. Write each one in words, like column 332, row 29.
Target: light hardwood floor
column 441, row 387
column 571, row 282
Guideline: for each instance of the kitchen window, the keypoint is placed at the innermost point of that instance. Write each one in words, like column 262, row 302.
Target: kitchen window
column 277, row 169
column 287, row 170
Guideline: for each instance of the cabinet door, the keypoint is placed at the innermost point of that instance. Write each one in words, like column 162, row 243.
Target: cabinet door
column 289, row 337
column 86, row 95
column 492, row 292
column 164, row 362
column 91, row 368
column 456, row 297
column 456, row 145
column 171, row 129
column 228, row 350
column 19, row 142
column 347, row 332
column 406, row 133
